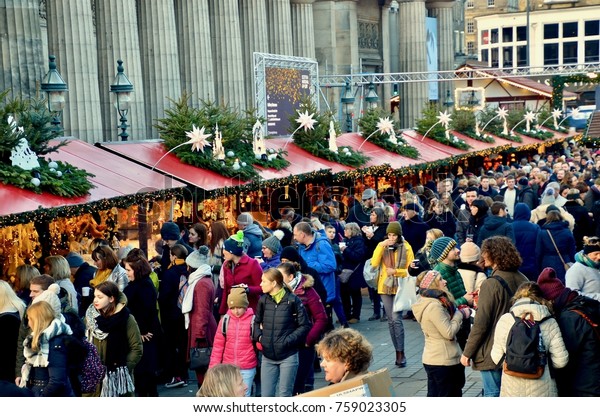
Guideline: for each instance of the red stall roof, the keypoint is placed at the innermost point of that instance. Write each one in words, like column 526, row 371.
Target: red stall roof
column 114, row 177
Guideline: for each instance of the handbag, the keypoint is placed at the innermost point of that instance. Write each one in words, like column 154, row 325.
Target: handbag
column 200, row 357
column 566, row 265
column 346, row 274
column 371, row 274
column 406, row 295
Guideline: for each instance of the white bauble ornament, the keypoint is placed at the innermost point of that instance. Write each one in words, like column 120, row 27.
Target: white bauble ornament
column 36, row 182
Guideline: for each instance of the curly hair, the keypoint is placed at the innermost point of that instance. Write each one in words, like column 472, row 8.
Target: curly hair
column 347, row 346
column 502, row 253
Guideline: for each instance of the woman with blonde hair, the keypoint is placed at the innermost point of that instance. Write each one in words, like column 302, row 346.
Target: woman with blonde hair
column 12, row 309
column 223, row 380
column 46, row 369
column 421, row 261
column 58, row 268
column 440, row 322
column 23, row 275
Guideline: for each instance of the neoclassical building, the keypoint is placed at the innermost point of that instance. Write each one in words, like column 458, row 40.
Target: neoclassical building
column 205, row 47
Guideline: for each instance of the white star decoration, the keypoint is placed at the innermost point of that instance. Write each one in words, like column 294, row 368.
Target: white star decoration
column 502, row 112
column 385, row 126
column 530, row 117
column 444, row 119
column 556, row 113
column 198, row 139
column 575, row 112
column 306, row 121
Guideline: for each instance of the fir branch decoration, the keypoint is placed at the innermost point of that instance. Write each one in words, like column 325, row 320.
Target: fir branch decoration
column 315, row 140
column 494, row 125
column 33, row 123
column 464, row 121
column 429, row 123
column 368, row 127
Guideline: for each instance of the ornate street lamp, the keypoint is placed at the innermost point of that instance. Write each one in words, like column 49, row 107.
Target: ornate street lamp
column 123, row 89
column 348, row 103
column 372, row 98
column 55, row 87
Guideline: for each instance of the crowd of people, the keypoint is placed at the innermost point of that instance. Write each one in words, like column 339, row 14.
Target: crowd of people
column 272, row 301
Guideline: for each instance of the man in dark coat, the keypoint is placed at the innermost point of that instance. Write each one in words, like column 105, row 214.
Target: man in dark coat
column 414, row 229
column 525, row 240
column 359, row 213
column 496, row 224
column 526, row 194
column 576, row 316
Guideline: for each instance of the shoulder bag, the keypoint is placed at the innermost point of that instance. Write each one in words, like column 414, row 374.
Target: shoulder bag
column 200, row 357
column 567, row 265
column 371, row 274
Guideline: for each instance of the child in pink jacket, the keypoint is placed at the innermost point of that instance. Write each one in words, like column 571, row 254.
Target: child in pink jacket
column 233, row 340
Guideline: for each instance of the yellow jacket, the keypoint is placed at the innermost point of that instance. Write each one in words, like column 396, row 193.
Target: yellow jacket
column 401, row 272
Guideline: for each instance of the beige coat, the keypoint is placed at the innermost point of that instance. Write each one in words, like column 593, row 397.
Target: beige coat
column 539, row 213
column 557, row 353
column 439, row 329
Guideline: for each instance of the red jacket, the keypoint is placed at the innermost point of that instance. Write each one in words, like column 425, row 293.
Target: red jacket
column 314, row 308
column 236, row 346
column 246, row 271
column 202, row 321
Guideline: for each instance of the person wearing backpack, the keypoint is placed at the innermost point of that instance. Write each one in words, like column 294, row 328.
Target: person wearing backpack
column 527, row 339
column 233, row 339
column 501, row 256
column 579, row 320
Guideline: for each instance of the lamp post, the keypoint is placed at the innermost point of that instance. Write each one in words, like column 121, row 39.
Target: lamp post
column 348, row 103
column 123, row 90
column 55, row 87
column 449, row 102
column 372, row 98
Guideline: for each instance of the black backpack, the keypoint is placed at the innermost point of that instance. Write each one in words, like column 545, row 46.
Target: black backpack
column 525, row 351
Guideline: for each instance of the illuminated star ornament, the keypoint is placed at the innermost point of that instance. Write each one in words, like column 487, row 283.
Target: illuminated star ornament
column 306, row 121
column 444, row 119
column 502, row 113
column 198, row 138
column 556, row 113
column 385, row 126
column 529, row 117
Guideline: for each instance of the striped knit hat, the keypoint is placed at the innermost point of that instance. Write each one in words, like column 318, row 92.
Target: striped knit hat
column 440, row 249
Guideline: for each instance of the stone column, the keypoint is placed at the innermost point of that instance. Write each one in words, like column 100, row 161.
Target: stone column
column 279, row 16
column 22, row 61
column 160, row 58
column 255, row 38
column 303, row 31
column 325, row 47
column 117, row 38
column 227, row 50
column 195, row 57
column 443, row 11
column 346, row 25
column 413, row 58
column 71, row 39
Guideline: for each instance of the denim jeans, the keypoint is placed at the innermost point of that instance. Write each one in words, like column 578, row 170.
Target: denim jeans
column 282, row 373
column 491, row 382
column 248, row 377
column 394, row 322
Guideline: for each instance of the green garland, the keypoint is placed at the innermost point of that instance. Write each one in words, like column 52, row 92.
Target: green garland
column 368, row 127
column 464, row 121
column 32, row 116
column 315, row 140
column 536, row 134
column 47, row 215
column 429, row 125
column 236, row 131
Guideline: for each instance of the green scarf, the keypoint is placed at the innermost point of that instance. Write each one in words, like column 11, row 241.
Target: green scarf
column 454, row 281
column 582, row 258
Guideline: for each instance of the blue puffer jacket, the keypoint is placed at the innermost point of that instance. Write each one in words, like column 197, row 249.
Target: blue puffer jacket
column 547, row 255
column 525, row 240
column 319, row 256
column 281, row 328
column 253, row 238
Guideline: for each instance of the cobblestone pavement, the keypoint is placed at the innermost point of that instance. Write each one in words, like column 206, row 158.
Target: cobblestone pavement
column 410, row 381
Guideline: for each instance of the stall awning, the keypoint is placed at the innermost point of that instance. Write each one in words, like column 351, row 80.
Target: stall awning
column 114, row 177
column 148, row 153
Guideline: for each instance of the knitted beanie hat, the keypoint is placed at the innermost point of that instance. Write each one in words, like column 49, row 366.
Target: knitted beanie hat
column 469, row 252
column 51, row 297
column 395, row 228
column 237, row 298
column 198, row 257
column 75, row 260
column 272, row 243
column 550, row 285
column 169, row 231
column 245, row 219
column 440, row 249
column 235, row 244
column 591, row 245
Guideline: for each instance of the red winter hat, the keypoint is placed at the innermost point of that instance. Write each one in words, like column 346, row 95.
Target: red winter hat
column 550, row 285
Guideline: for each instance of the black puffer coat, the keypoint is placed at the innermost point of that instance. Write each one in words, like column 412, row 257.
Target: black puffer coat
column 281, row 328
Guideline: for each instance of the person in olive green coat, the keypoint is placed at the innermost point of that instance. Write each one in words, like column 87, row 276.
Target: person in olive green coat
column 116, row 335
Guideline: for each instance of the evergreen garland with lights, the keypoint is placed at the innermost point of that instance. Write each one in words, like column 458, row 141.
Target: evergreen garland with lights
column 429, row 125
column 463, row 121
column 368, row 128
column 236, row 132
column 58, row 178
column 315, row 141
